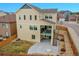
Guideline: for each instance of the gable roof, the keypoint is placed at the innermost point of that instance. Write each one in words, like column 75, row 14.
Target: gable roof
column 29, row 6
column 25, row 6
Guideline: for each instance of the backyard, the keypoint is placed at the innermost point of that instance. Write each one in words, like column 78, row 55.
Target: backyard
column 17, row 47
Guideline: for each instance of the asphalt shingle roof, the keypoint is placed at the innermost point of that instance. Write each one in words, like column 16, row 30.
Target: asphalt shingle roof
column 27, row 6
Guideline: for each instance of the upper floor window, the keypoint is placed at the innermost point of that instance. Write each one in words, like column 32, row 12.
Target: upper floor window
column 24, row 17
column 30, row 17
column 33, row 27
column 35, row 17
column 46, row 17
column 19, row 17
column 50, row 17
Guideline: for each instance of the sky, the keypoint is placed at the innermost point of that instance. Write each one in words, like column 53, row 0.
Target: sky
column 13, row 7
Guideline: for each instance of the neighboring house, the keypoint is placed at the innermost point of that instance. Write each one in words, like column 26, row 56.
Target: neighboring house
column 74, row 17
column 7, row 25
column 2, row 13
column 35, row 24
column 63, row 16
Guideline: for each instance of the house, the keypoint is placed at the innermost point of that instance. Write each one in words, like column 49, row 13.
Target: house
column 74, row 17
column 7, row 25
column 35, row 24
column 63, row 16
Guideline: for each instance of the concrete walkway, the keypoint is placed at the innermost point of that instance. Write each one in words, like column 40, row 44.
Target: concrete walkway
column 44, row 47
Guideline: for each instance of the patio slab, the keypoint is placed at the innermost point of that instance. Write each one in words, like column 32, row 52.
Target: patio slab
column 43, row 47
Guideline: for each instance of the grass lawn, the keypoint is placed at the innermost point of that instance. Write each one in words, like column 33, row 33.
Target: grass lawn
column 18, row 47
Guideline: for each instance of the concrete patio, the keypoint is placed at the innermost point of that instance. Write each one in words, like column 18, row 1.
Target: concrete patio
column 44, row 47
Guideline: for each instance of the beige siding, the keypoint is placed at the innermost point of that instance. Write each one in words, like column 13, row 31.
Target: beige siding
column 25, row 33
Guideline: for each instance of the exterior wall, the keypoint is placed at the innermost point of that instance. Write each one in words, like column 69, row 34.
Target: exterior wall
column 4, row 30
column 10, row 30
column 25, row 33
column 13, row 28
column 1, row 29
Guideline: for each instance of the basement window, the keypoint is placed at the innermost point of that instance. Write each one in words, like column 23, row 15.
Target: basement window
column 33, row 36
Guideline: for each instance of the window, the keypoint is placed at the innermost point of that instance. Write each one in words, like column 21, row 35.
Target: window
column 50, row 26
column 35, row 17
column 19, row 17
column 50, row 17
column 4, row 25
column 30, row 17
column 35, row 28
column 31, row 27
column 33, row 36
column 46, row 17
column 20, row 26
column 24, row 17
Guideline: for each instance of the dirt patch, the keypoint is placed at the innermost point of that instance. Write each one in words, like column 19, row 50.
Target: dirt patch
column 18, row 47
